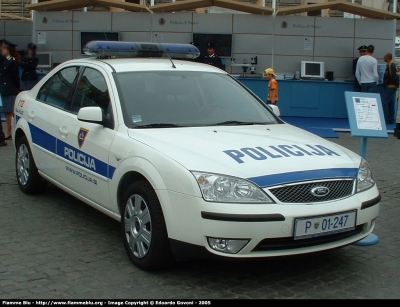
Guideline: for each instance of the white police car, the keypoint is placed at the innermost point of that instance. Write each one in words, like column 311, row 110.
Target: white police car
column 190, row 161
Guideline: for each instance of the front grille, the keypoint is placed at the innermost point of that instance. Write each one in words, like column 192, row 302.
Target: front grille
column 301, row 193
column 290, row 243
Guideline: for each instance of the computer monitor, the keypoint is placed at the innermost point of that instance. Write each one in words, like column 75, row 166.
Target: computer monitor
column 44, row 60
column 312, row 70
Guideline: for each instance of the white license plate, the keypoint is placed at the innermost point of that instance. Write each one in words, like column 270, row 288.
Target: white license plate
column 309, row 227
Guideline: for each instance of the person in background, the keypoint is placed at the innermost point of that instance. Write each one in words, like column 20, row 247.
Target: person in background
column 367, row 71
column 390, row 83
column 200, row 58
column 2, row 136
column 397, row 128
column 362, row 50
column 2, row 58
column 29, row 64
column 212, row 58
column 272, row 86
column 9, row 82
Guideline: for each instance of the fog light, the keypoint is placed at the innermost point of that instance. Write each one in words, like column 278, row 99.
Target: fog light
column 227, row 245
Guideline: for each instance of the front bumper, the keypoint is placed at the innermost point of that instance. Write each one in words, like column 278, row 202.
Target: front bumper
column 269, row 228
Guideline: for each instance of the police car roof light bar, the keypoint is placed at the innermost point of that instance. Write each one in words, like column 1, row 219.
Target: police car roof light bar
column 140, row 50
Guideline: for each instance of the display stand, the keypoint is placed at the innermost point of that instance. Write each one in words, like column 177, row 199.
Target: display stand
column 365, row 117
column 363, row 147
column 366, row 120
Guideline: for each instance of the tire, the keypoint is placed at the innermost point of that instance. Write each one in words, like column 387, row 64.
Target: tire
column 143, row 228
column 27, row 173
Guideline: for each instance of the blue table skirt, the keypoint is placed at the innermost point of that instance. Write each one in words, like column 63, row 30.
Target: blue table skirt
column 306, row 98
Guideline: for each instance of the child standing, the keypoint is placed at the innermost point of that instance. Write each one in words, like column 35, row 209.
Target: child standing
column 272, row 86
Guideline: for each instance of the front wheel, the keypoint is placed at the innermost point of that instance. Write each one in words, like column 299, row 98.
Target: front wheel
column 143, row 228
column 28, row 176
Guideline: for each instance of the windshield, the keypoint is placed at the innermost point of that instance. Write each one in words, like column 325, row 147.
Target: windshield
column 163, row 99
column 397, row 53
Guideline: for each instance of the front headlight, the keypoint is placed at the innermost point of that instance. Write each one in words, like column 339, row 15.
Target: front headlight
column 365, row 180
column 221, row 188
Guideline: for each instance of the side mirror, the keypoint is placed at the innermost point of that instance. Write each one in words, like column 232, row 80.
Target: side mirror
column 94, row 115
column 275, row 109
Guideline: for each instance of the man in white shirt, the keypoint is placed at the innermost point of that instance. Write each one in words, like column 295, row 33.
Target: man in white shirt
column 367, row 71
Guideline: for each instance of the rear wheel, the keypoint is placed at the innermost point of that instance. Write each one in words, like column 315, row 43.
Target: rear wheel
column 28, row 176
column 143, row 228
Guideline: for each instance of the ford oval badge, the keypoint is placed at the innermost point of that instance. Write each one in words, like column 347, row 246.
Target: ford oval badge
column 320, row 191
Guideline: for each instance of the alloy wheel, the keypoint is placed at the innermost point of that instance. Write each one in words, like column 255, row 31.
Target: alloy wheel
column 23, row 164
column 138, row 228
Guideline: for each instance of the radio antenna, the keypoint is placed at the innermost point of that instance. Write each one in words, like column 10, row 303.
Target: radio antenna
column 172, row 62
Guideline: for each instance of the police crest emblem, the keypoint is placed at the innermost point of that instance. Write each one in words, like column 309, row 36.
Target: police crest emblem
column 82, row 134
column 316, row 225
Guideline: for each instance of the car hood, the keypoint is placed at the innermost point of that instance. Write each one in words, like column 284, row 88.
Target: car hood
column 264, row 154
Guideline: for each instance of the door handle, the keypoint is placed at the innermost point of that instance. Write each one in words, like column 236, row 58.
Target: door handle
column 63, row 131
column 31, row 115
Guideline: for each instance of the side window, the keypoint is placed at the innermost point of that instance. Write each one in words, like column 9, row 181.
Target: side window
column 91, row 91
column 57, row 91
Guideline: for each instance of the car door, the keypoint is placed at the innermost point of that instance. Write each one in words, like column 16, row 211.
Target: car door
column 83, row 148
column 52, row 103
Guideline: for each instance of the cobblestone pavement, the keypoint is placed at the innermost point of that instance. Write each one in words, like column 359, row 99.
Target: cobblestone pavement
column 54, row 246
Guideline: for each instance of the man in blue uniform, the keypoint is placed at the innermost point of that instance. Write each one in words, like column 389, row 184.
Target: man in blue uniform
column 2, row 136
column 211, row 58
column 9, row 82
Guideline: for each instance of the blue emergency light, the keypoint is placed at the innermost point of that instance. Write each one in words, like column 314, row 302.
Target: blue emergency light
column 140, row 50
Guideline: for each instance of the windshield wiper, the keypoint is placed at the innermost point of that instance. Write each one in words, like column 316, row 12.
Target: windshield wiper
column 159, row 125
column 236, row 123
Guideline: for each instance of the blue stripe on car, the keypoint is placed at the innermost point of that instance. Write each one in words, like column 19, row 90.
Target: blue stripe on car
column 275, row 179
column 43, row 139
column 57, row 146
column 49, row 142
